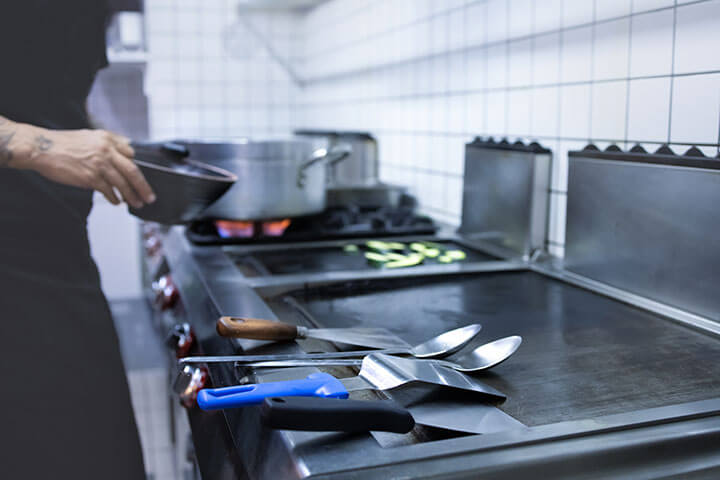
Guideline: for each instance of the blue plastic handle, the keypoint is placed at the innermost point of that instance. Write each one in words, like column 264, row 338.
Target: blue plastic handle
column 315, row 385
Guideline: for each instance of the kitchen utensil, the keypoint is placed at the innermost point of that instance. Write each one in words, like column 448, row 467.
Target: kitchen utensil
column 256, row 329
column 277, row 179
column 337, row 415
column 378, row 372
column 439, row 346
column 361, row 167
column 184, row 187
column 463, row 416
column 481, row 358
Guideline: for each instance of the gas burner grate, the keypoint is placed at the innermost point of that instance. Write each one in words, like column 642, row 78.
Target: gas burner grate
column 333, row 223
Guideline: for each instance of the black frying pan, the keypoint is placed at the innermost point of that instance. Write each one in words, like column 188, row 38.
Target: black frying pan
column 183, row 187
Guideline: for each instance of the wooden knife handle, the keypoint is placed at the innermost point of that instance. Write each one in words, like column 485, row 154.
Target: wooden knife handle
column 256, row 329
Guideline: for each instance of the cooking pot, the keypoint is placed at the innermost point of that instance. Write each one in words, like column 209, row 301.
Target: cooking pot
column 276, row 178
column 361, row 168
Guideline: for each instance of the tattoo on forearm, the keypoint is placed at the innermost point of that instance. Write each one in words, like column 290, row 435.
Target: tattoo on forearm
column 43, row 143
column 6, row 153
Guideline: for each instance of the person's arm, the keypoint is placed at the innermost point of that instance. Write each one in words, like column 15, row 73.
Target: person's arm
column 93, row 159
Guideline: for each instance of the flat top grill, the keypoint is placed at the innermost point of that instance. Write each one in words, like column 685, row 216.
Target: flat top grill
column 583, row 355
column 325, row 259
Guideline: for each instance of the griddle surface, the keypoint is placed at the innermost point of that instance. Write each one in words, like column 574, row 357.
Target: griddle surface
column 583, row 355
column 330, row 259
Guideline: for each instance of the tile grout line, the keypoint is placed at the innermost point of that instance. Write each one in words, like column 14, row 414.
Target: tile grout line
column 507, row 65
column 337, row 50
column 531, row 109
column 627, row 82
column 672, row 72
column 526, row 135
column 593, row 46
column 435, row 93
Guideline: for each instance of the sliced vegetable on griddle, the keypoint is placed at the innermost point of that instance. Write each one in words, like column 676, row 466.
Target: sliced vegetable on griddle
column 376, row 259
column 410, row 260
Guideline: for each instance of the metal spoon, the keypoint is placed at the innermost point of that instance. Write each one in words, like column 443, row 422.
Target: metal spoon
column 442, row 345
column 481, row 358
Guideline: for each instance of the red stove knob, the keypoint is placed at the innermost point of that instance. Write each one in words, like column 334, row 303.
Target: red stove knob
column 152, row 245
column 166, row 293
column 181, row 339
column 188, row 383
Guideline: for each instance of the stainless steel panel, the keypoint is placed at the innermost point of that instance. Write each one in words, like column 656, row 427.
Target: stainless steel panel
column 652, row 230
column 621, row 445
column 505, row 198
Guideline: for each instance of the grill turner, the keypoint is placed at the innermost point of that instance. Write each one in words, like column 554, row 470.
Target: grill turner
column 378, row 372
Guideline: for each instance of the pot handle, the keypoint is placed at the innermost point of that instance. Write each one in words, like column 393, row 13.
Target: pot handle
column 336, row 154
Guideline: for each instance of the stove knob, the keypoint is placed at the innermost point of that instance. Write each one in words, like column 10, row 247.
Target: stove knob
column 152, row 245
column 188, row 383
column 166, row 293
column 181, row 339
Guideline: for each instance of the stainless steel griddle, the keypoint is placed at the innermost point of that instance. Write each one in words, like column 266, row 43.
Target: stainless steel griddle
column 609, row 382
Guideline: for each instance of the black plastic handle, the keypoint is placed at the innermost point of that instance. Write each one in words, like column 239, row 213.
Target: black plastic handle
column 163, row 153
column 335, row 415
column 176, row 148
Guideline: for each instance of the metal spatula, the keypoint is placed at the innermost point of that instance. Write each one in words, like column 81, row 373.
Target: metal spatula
column 378, row 372
column 336, row 415
column 257, row 329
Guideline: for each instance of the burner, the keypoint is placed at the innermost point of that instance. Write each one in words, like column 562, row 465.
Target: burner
column 251, row 229
column 234, row 229
column 276, row 228
column 334, row 223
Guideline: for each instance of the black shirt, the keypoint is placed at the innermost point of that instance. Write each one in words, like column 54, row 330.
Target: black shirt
column 50, row 51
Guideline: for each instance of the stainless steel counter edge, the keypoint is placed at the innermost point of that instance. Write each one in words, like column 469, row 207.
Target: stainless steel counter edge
column 658, row 442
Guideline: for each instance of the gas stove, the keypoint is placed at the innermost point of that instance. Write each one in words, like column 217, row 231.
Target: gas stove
column 334, row 223
column 606, row 376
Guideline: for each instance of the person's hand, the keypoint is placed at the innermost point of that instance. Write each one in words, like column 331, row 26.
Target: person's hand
column 94, row 159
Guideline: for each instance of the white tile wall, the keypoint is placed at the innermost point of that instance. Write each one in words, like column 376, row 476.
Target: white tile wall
column 208, row 76
column 426, row 76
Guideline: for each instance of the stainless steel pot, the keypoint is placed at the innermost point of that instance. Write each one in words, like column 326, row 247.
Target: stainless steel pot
column 276, row 178
column 360, row 168
column 367, row 195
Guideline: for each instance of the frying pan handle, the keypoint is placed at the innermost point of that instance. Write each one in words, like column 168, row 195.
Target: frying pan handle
column 334, row 415
column 336, row 154
column 257, row 329
column 176, row 148
column 315, row 385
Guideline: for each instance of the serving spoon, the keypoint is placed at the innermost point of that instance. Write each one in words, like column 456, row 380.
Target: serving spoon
column 481, row 358
column 439, row 346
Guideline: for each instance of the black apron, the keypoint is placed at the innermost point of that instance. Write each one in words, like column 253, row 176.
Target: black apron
column 65, row 410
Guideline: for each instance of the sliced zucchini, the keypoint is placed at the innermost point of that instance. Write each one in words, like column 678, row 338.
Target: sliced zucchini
column 431, row 252
column 396, row 246
column 410, row 261
column 444, row 259
column 418, row 247
column 456, row 254
column 351, row 248
column 376, row 259
column 377, row 245
column 392, row 256
column 433, row 245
